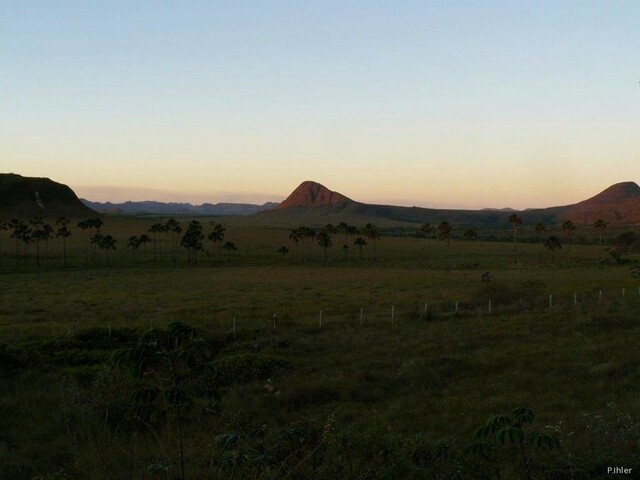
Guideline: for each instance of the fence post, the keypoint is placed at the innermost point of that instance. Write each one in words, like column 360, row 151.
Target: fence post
column 456, row 307
column 623, row 291
column 320, row 321
column 550, row 301
column 600, row 296
column 489, row 305
column 393, row 308
column 234, row 325
column 361, row 317
column 274, row 322
column 575, row 299
column 426, row 308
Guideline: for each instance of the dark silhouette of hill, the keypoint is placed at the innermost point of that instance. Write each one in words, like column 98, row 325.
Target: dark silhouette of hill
column 313, row 202
column 24, row 197
column 173, row 208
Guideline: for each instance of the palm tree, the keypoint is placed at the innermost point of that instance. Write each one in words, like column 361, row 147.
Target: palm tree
column 3, row 227
column 156, row 229
column 470, row 234
column 133, row 243
column 540, row 229
column 64, row 233
column 25, row 235
column 296, row 236
column 600, row 225
column 217, row 235
column 18, row 227
column 192, row 240
column 567, row 229
column 144, row 239
column 343, row 229
column 426, row 230
column 552, row 243
column 37, row 235
column 308, row 234
column 360, row 242
column 371, row 232
column 229, row 247
column 174, row 227
column 85, row 225
column 324, row 240
column 47, row 234
column 444, row 234
column 331, row 230
column 96, row 242
column 515, row 220
column 107, row 243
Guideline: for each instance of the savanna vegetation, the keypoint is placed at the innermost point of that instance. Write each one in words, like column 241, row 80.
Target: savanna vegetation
column 215, row 348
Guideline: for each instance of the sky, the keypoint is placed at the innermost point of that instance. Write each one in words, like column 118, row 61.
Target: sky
column 431, row 103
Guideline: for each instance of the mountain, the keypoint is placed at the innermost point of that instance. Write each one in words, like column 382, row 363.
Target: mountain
column 620, row 203
column 313, row 195
column 172, row 208
column 315, row 203
column 25, row 197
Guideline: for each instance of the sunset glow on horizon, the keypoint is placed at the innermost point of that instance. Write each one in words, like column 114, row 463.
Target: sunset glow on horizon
column 435, row 104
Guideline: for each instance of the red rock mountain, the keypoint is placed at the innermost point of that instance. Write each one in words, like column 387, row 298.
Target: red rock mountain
column 620, row 203
column 311, row 194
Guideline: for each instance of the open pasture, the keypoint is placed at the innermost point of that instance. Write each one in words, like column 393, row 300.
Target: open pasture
column 374, row 396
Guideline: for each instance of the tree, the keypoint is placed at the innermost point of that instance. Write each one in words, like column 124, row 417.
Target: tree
column 96, row 240
column 229, row 247
column 426, row 231
column 504, row 430
column 445, row 235
column 371, row 232
column 144, row 239
column 173, row 226
column 37, row 235
column 360, row 242
column 324, row 240
column 63, row 232
column 553, row 243
column 133, row 243
column 88, row 225
column 515, row 220
column 217, row 235
column 540, row 229
column 470, row 234
column 567, row 230
column 173, row 368
column 600, row 225
column 343, row 229
column 283, row 251
column 156, row 229
column 3, row 227
column 192, row 241
column 296, row 236
column 21, row 233
column 107, row 243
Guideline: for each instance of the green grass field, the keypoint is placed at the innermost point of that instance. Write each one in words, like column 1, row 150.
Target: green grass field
column 357, row 397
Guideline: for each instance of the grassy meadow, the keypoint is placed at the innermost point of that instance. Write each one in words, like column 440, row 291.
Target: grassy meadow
column 348, row 369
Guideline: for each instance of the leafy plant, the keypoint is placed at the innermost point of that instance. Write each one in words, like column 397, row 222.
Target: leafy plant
column 173, row 367
column 504, row 430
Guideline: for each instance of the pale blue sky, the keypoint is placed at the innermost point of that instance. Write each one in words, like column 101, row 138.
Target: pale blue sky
column 468, row 104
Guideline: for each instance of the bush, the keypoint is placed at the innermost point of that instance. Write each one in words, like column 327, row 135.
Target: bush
column 245, row 367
